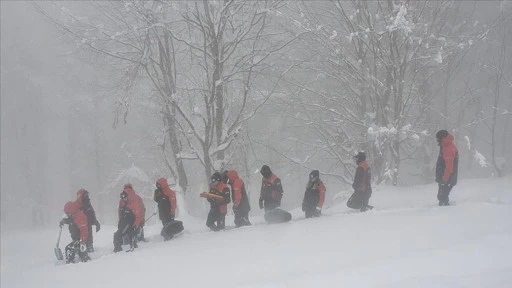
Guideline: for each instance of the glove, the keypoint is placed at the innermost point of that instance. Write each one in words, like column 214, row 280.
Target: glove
column 98, row 226
column 83, row 247
column 261, row 203
column 61, row 223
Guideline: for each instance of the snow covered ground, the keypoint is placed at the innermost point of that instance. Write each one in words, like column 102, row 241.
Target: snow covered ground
column 407, row 241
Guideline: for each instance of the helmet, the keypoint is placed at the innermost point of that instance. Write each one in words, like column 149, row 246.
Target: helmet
column 216, row 177
column 314, row 175
column 265, row 171
column 360, row 156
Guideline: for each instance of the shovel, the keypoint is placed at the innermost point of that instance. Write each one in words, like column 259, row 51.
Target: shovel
column 58, row 252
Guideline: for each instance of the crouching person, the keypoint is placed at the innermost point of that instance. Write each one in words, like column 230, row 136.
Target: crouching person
column 78, row 229
column 130, row 218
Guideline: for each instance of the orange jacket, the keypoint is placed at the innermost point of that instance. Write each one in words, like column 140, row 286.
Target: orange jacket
column 449, row 153
column 236, row 185
column 169, row 193
column 72, row 209
column 133, row 204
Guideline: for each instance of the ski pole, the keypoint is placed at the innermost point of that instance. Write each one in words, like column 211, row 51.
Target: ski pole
column 151, row 216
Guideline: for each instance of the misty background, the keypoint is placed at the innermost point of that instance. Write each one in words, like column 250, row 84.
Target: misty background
column 98, row 94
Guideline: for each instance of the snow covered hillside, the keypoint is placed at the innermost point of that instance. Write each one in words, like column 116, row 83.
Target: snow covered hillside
column 407, row 241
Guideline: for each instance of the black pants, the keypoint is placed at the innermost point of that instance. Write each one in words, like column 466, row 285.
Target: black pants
column 125, row 227
column 89, row 239
column 359, row 200
column 242, row 218
column 443, row 194
column 216, row 221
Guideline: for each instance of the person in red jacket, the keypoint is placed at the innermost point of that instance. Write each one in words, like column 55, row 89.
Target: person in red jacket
column 84, row 202
column 130, row 218
column 446, row 166
column 271, row 190
column 218, row 198
column 362, row 185
column 314, row 196
column 77, row 221
column 165, row 197
column 241, row 206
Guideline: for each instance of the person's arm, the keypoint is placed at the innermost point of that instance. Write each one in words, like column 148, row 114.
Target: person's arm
column 321, row 194
column 237, row 193
column 261, row 196
column 358, row 178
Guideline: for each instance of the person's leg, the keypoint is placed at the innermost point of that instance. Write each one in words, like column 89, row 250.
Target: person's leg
column 90, row 247
column 212, row 217
column 238, row 219
column 221, row 221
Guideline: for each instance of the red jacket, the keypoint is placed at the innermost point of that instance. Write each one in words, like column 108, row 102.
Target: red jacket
column 220, row 189
column 446, row 168
column 133, row 204
column 169, row 193
column 236, row 185
column 72, row 209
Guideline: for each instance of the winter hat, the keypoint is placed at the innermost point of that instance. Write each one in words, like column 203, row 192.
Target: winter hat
column 441, row 134
column 265, row 171
column 216, row 177
column 360, row 156
column 314, row 174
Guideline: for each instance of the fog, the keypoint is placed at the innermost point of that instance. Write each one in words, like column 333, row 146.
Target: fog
column 98, row 94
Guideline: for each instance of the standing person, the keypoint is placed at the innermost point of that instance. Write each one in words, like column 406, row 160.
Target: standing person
column 130, row 218
column 166, row 199
column 218, row 198
column 314, row 196
column 84, row 202
column 271, row 190
column 241, row 206
column 362, row 185
column 446, row 167
column 77, row 221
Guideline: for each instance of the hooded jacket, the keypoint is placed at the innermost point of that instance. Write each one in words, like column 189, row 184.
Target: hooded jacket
column 239, row 195
column 133, row 204
column 166, row 199
column 78, row 218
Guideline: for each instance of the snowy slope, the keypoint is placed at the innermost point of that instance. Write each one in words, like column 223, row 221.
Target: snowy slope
column 407, row 241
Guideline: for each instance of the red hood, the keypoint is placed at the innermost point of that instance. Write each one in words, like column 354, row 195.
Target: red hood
column 71, row 208
column 165, row 187
column 232, row 175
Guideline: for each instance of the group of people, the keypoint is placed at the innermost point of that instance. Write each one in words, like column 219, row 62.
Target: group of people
column 80, row 215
